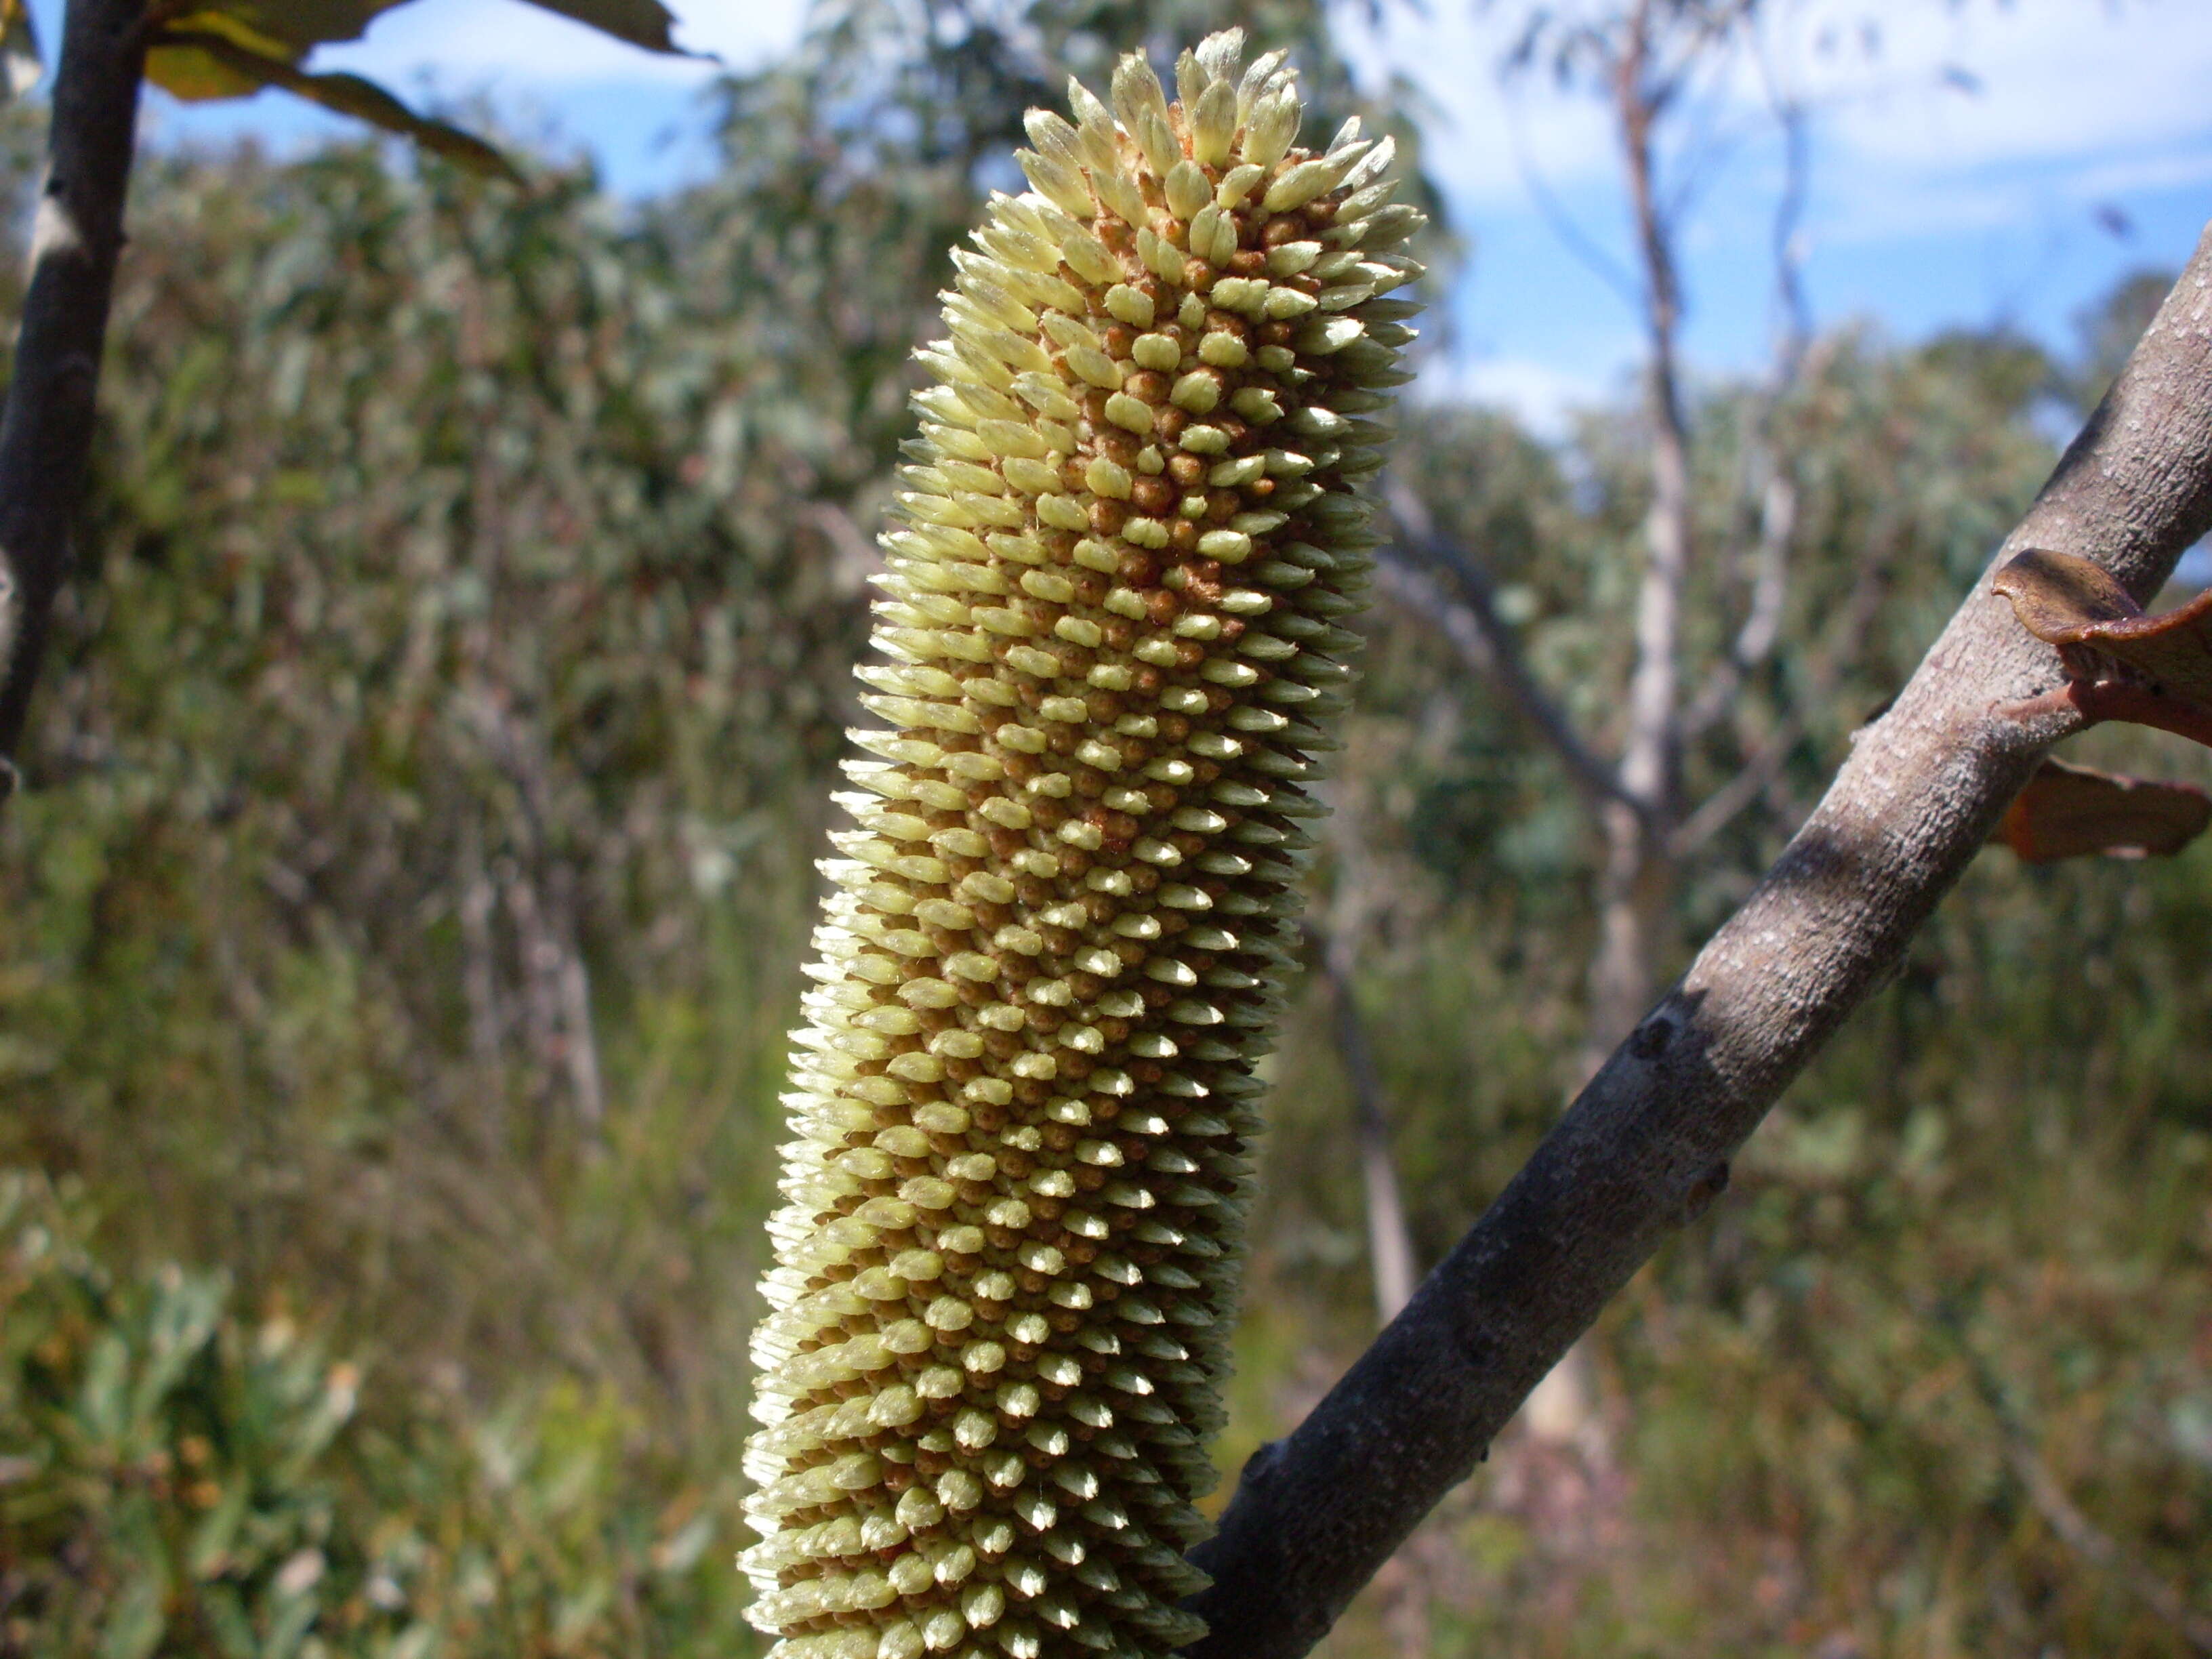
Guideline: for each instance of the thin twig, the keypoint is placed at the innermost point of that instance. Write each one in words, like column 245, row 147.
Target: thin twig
column 1416, row 569
column 1752, row 779
column 2065, row 1518
column 2097, row 1547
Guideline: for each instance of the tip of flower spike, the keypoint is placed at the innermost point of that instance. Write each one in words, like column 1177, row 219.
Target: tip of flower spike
column 1219, row 53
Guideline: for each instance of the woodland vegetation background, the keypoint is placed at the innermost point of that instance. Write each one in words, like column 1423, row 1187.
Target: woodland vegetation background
column 404, row 914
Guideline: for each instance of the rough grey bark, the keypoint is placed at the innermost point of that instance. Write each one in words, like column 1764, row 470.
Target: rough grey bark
column 1646, row 1146
column 46, row 434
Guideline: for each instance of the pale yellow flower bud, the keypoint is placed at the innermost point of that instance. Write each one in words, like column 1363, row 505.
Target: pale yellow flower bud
column 1023, row 1099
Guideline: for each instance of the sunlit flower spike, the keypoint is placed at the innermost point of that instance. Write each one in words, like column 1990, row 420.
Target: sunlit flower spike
column 1024, row 1100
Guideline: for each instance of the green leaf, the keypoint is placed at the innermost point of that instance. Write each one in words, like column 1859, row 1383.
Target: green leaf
column 208, row 1555
column 224, row 62
column 299, row 25
column 196, row 75
column 277, row 31
column 184, row 61
column 135, row 1628
column 642, row 23
column 350, row 95
column 103, row 1398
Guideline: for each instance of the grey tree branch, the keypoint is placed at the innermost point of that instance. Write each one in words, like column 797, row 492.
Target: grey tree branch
column 46, row 432
column 1761, row 629
column 1646, row 1146
column 1356, row 901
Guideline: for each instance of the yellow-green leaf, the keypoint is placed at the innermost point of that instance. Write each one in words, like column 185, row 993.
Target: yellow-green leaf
column 182, row 63
column 642, row 23
column 299, row 25
column 350, row 95
column 195, row 74
column 219, row 63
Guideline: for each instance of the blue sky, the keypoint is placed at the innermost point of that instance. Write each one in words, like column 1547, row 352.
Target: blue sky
column 1972, row 162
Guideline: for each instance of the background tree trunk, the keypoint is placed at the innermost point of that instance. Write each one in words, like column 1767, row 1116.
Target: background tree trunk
column 45, row 434
column 1389, row 1241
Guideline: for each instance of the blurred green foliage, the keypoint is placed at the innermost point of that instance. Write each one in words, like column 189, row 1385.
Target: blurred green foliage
column 405, row 912
column 160, row 1459
column 176, row 1478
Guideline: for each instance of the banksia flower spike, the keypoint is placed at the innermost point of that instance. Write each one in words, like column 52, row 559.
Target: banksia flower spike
column 1023, row 1109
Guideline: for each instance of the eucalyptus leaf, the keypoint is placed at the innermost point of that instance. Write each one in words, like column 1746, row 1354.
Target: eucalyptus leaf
column 301, row 25
column 136, row 1628
column 646, row 23
column 222, row 61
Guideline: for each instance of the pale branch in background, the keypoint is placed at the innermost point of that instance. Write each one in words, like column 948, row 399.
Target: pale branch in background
column 1646, row 1146
column 1636, row 879
column 1391, row 1257
column 1331, row 943
column 1768, row 476
column 1846, row 635
column 1646, row 62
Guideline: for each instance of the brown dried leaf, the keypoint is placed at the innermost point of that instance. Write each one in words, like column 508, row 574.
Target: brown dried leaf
column 2071, row 602
column 2071, row 812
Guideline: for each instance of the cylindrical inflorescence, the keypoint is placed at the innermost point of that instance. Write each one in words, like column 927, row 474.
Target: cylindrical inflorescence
column 1022, row 1106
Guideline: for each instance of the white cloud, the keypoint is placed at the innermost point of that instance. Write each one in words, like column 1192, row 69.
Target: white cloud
column 1542, row 394
column 1484, row 136
column 2079, row 102
column 2151, row 172
column 2068, row 103
column 1919, row 105
column 2058, row 80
